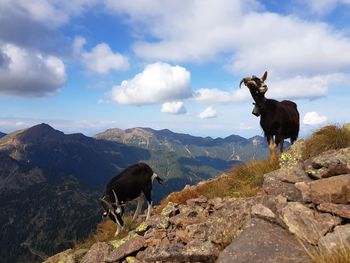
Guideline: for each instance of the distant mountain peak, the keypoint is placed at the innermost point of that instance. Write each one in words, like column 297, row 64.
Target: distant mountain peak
column 41, row 132
column 2, row 134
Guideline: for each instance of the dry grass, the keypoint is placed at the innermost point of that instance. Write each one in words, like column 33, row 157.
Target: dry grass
column 335, row 256
column 105, row 232
column 340, row 255
column 241, row 181
column 327, row 138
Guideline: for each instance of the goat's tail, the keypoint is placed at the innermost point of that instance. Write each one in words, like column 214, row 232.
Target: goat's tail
column 156, row 176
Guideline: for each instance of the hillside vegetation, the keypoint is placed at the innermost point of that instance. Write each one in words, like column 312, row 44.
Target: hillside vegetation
column 244, row 180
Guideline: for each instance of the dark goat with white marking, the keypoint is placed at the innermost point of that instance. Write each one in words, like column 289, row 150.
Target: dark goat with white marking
column 130, row 184
column 278, row 119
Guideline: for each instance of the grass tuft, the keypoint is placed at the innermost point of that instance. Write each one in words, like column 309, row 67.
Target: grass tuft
column 331, row 137
column 241, row 181
column 105, row 232
column 340, row 255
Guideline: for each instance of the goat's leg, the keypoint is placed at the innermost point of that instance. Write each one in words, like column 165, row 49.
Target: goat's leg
column 139, row 200
column 281, row 143
column 149, row 210
column 119, row 228
column 272, row 147
column 148, row 194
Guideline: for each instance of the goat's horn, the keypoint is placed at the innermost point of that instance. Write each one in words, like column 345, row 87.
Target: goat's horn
column 106, row 202
column 244, row 80
column 115, row 198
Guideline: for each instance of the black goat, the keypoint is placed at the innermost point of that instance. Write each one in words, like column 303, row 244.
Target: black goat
column 130, row 184
column 278, row 119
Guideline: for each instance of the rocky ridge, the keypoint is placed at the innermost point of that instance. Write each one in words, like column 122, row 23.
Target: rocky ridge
column 306, row 208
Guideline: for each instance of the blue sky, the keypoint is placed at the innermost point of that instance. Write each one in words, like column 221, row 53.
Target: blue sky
column 88, row 65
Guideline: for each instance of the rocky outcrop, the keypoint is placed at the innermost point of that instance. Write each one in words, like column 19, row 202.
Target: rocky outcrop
column 303, row 209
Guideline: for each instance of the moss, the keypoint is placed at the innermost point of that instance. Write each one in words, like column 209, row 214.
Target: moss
column 170, row 207
column 130, row 259
column 164, row 224
column 119, row 242
column 142, row 228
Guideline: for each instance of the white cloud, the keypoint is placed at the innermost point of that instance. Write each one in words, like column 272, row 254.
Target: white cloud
column 313, row 118
column 256, row 40
column 208, row 113
column 101, row 59
column 217, row 96
column 244, row 126
column 301, row 87
column 102, row 101
column 54, row 13
column 175, row 107
column 158, row 83
column 294, row 47
column 322, row 7
column 298, row 87
column 30, row 74
column 78, row 46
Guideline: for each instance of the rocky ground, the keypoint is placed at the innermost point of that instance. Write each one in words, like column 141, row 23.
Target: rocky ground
column 306, row 208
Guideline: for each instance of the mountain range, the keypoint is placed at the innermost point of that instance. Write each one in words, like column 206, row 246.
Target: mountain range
column 50, row 181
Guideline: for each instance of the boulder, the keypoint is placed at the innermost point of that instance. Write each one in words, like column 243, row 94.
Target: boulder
column 98, row 253
column 62, row 256
column 264, row 242
column 307, row 224
column 338, row 239
column 334, row 189
column 329, row 163
column 224, row 224
column 281, row 182
column 337, row 209
column 194, row 252
column 130, row 246
column 293, row 155
column 170, row 210
column 262, row 211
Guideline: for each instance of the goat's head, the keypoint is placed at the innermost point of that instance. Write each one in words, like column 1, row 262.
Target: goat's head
column 254, row 84
column 257, row 89
column 114, row 210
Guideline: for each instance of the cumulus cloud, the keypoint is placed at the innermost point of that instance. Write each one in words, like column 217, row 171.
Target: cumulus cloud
column 313, row 118
column 208, row 113
column 239, row 29
column 78, row 46
column 298, row 87
column 244, row 126
column 158, row 83
column 35, row 24
column 294, row 47
column 322, row 7
column 301, row 87
column 4, row 59
column 218, row 96
column 30, row 74
column 54, row 13
column 175, row 107
column 101, row 59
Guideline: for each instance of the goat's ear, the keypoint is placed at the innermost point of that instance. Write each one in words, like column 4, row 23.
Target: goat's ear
column 264, row 77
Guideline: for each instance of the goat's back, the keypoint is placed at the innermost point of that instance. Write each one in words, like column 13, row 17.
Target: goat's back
column 130, row 182
column 290, row 118
column 280, row 118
